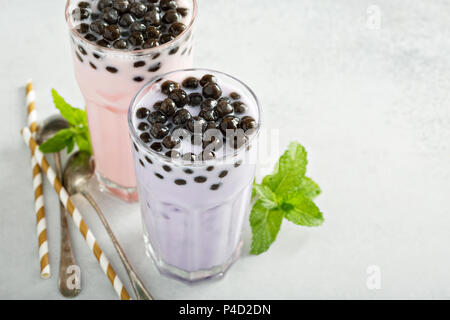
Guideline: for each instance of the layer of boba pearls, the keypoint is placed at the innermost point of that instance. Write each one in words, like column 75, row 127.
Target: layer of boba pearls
column 177, row 107
column 125, row 25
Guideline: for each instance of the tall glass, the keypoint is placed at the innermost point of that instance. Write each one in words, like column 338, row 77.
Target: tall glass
column 193, row 230
column 108, row 79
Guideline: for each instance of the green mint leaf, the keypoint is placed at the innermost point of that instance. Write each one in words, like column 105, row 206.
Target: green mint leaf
column 74, row 116
column 265, row 225
column 83, row 143
column 70, row 145
column 58, row 142
column 301, row 210
column 289, row 171
column 309, row 188
column 266, row 196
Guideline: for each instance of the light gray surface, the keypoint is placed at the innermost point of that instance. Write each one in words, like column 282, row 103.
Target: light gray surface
column 372, row 107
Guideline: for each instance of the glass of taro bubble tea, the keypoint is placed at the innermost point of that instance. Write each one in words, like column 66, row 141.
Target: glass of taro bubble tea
column 117, row 46
column 194, row 134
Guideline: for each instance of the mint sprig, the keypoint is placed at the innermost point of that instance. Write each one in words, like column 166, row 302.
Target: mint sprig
column 77, row 133
column 286, row 193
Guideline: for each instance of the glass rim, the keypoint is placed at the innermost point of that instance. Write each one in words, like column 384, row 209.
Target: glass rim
column 181, row 161
column 140, row 52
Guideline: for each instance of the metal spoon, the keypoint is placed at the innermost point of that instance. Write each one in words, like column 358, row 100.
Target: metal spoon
column 79, row 170
column 47, row 130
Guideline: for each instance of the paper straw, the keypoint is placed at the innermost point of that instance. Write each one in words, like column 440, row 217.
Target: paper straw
column 41, row 222
column 76, row 216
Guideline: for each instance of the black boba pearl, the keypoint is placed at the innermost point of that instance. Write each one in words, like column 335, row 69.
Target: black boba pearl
column 189, row 157
column 137, row 26
column 166, row 38
column 212, row 90
column 168, row 86
column 96, row 55
column 224, row 108
column 248, row 123
column 79, row 57
column 239, row 107
column 157, row 117
column 159, row 130
column 208, row 104
column 180, row 97
column 81, row 13
column 174, row 50
column 168, row 107
column 238, row 163
column 195, row 99
column 188, row 171
column 171, row 16
column 229, row 123
column 142, row 113
column 111, row 69
column 196, row 124
column 210, row 168
column 181, row 117
column 120, row 44
column 122, row 6
column 216, row 186
column 104, row 43
column 211, row 125
column 102, row 4
column 238, row 141
column 95, row 16
column 167, row 168
column 212, row 144
column 168, row 4
column 155, row 67
column 143, row 126
column 235, row 96
column 83, row 28
column 142, row 163
column 139, row 64
column 206, row 155
column 98, row 26
column 90, row 37
column 228, row 100
column 157, row 105
column 136, row 38
column 153, row 18
column 150, row 43
column 174, row 154
column 110, row 15
column 138, row 9
column 223, row 174
column 177, row 28
column 148, row 160
column 152, row 7
column 138, row 79
column 159, row 176
column 84, row 5
column 111, row 33
column 126, row 20
column 190, row 83
column 157, row 146
column 180, row 182
column 145, row 137
column 183, row 11
column 81, row 49
column 93, row 66
column 200, row 179
column 171, row 142
column 208, row 115
column 135, row 147
column 207, row 78
column 152, row 32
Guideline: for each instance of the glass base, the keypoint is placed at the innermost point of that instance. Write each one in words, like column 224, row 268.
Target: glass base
column 126, row 194
column 191, row 276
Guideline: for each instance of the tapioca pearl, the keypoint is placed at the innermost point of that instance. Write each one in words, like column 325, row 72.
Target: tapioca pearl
column 188, row 171
column 84, row 5
column 122, row 6
column 200, row 179
column 159, row 80
column 174, row 154
column 180, row 182
column 165, row 38
column 120, row 44
column 90, row 37
column 207, row 78
column 224, row 108
column 152, row 32
column 135, row 147
column 167, row 168
column 153, row 18
column 80, row 14
column 212, row 90
column 98, row 27
column 157, row 146
column 238, row 141
column 102, row 4
column 171, row 16
column 112, row 69
column 157, row 116
column 95, row 16
column 155, row 56
column 229, row 123
column 138, row 79
column 79, row 57
column 157, row 105
column 142, row 113
column 145, row 137
column 159, row 130
column 148, row 160
column 239, row 107
column 237, row 163
column 168, row 4
column 159, row 175
column 111, row 33
column 155, row 67
column 171, row 142
column 142, row 163
column 168, row 107
column 93, row 66
column 210, row 168
column 174, row 50
column 83, row 28
column 235, row 96
column 216, row 186
column 180, row 97
column 183, row 11
column 248, row 123
column 104, row 43
column 150, row 43
column 168, row 86
column 176, row 29
column 195, row 99
column 206, row 155
column 143, row 126
column 110, row 15
column 138, row 9
column 126, row 20
column 96, row 56
column 136, row 38
column 223, row 174
column 226, row 99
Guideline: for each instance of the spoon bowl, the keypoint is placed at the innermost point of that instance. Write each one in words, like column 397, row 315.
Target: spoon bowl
column 79, row 170
column 49, row 127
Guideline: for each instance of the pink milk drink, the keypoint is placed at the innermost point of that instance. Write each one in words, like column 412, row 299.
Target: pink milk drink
column 118, row 45
column 194, row 171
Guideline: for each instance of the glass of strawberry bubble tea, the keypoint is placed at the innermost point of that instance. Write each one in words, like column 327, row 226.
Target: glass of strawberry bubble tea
column 194, row 134
column 117, row 45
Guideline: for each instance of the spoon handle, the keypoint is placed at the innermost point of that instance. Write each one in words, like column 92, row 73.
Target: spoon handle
column 67, row 258
column 138, row 287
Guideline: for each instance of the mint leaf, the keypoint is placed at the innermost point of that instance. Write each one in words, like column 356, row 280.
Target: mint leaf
column 265, row 225
column 301, row 210
column 266, row 196
column 309, row 188
column 83, row 143
column 58, row 142
column 74, row 116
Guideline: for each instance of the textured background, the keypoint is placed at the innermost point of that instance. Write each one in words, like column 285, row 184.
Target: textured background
column 370, row 105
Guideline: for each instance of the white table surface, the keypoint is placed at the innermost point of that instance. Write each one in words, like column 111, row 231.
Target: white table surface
column 371, row 106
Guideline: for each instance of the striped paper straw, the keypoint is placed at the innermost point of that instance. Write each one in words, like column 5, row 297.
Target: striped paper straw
column 37, row 187
column 76, row 216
